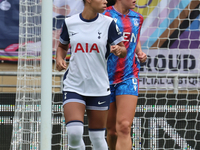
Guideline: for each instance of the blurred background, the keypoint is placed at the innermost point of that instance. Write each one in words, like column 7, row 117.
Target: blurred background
column 167, row 115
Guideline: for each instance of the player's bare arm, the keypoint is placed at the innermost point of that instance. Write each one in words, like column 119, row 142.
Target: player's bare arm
column 60, row 56
column 119, row 50
column 141, row 55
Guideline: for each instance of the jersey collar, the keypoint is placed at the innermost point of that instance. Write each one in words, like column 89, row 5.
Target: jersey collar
column 121, row 13
column 81, row 17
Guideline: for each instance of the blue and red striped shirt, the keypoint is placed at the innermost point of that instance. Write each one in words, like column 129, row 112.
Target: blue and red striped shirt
column 120, row 69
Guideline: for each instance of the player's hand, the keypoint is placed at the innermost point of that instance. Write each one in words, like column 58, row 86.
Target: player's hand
column 61, row 64
column 115, row 49
column 142, row 57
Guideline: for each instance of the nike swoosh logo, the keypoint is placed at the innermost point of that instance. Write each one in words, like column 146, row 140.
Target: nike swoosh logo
column 73, row 34
column 101, row 102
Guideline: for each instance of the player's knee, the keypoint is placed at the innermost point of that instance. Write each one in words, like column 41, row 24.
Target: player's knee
column 97, row 138
column 75, row 133
column 111, row 130
column 74, row 138
column 123, row 128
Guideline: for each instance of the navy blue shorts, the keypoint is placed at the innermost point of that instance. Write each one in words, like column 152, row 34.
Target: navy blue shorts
column 91, row 102
column 127, row 87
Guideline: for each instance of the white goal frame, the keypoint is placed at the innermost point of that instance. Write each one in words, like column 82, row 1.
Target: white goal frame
column 46, row 74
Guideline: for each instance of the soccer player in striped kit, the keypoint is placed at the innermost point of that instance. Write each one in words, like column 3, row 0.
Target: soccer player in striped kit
column 123, row 75
column 86, row 83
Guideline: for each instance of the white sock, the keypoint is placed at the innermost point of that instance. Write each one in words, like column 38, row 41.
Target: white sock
column 97, row 138
column 75, row 135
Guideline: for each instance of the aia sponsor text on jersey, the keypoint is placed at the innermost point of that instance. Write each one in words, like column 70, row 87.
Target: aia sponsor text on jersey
column 85, row 48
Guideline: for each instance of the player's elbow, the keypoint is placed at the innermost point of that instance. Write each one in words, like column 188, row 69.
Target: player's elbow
column 63, row 47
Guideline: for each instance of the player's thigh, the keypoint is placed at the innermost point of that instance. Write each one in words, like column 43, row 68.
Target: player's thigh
column 126, row 105
column 97, row 111
column 74, row 106
column 74, row 111
column 97, row 118
column 126, row 99
column 111, row 121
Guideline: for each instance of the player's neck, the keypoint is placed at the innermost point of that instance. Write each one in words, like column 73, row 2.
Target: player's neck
column 88, row 14
column 121, row 9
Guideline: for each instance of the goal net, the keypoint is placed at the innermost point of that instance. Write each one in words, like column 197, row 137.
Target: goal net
column 167, row 114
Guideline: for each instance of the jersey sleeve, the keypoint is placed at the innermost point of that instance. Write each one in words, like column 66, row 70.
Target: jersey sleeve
column 114, row 34
column 64, row 36
column 141, row 22
column 140, row 25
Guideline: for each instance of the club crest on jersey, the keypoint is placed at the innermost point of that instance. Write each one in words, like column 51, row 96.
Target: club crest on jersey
column 99, row 33
column 136, row 23
column 85, row 48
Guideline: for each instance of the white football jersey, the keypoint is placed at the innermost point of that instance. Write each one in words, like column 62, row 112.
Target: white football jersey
column 90, row 41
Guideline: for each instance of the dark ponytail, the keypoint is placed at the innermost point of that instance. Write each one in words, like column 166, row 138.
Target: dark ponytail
column 110, row 2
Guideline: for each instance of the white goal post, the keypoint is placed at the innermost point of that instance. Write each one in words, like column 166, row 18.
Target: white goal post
column 46, row 75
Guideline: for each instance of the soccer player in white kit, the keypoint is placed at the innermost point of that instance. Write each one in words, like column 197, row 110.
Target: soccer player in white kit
column 86, row 84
